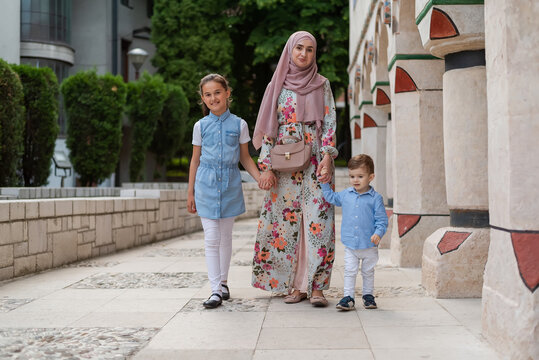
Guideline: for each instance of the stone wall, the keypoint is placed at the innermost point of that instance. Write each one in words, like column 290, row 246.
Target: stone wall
column 40, row 234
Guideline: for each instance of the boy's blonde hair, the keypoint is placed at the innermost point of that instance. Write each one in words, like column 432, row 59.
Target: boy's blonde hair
column 361, row 160
column 218, row 79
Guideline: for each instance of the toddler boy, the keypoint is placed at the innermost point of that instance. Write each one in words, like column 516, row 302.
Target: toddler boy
column 364, row 222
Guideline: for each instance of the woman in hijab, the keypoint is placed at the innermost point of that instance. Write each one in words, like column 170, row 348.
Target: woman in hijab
column 295, row 243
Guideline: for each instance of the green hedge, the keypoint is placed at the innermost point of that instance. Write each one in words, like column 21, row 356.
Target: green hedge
column 94, row 105
column 41, row 89
column 171, row 125
column 11, row 126
column 145, row 101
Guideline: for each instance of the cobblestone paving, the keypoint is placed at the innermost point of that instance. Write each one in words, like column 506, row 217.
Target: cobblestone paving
column 93, row 263
column 6, row 305
column 232, row 305
column 143, row 280
column 175, row 253
column 393, row 291
column 242, row 262
column 73, row 343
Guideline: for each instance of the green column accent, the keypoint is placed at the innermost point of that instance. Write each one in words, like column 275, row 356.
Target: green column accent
column 379, row 83
column 429, row 5
column 410, row 57
column 368, row 102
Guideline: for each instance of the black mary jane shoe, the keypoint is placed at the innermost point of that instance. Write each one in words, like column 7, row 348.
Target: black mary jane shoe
column 226, row 295
column 212, row 304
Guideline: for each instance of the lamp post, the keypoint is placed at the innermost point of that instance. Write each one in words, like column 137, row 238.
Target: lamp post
column 137, row 57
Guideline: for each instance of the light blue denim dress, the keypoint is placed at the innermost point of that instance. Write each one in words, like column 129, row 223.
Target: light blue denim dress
column 218, row 192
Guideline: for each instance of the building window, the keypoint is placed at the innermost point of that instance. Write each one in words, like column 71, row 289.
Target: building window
column 61, row 70
column 149, row 8
column 126, row 3
column 46, row 21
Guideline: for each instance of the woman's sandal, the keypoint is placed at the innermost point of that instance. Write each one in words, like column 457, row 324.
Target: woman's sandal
column 319, row 301
column 293, row 299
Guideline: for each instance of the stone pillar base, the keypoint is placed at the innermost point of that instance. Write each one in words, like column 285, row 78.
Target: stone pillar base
column 510, row 301
column 454, row 261
column 408, row 235
column 386, row 239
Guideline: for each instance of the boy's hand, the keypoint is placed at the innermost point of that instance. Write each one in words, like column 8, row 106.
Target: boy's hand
column 375, row 239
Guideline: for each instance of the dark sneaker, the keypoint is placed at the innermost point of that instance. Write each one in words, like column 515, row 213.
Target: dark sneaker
column 346, row 303
column 368, row 302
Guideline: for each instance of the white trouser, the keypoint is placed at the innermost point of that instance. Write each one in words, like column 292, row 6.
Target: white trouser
column 218, row 250
column 352, row 257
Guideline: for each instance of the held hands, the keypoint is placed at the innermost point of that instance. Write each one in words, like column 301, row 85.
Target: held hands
column 267, row 180
column 325, row 169
column 375, row 239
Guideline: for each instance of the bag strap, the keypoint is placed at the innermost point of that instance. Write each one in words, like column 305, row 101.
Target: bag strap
column 291, row 137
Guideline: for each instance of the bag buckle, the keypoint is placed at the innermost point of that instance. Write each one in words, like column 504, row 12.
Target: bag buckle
column 287, row 155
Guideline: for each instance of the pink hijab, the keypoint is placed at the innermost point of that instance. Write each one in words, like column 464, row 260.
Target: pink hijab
column 305, row 82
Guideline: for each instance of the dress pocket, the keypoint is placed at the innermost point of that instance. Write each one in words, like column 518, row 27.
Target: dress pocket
column 232, row 138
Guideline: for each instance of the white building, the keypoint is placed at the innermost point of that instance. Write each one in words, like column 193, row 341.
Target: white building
column 70, row 36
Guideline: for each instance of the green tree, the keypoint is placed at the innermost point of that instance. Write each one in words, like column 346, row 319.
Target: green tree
column 192, row 40
column 326, row 20
column 241, row 39
column 94, row 105
column 11, row 126
column 41, row 90
column 145, row 100
column 171, row 125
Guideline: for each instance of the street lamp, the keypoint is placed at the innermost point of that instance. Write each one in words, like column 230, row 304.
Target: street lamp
column 137, row 57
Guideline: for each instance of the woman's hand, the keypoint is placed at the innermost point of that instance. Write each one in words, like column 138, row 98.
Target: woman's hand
column 267, row 180
column 325, row 169
column 191, row 206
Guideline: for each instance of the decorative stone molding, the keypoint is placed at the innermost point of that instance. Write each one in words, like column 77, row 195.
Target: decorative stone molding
column 526, row 248
column 453, row 262
column 451, row 241
column 48, row 51
column 448, row 26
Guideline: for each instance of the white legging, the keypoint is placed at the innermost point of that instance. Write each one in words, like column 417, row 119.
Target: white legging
column 218, row 250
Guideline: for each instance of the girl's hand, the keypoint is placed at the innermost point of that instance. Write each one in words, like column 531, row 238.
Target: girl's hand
column 324, row 172
column 375, row 239
column 191, row 206
column 267, row 180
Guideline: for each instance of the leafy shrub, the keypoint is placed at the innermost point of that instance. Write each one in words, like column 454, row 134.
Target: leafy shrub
column 171, row 125
column 41, row 89
column 94, row 105
column 145, row 100
column 11, row 126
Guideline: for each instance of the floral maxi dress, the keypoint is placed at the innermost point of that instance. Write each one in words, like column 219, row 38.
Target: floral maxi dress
column 296, row 205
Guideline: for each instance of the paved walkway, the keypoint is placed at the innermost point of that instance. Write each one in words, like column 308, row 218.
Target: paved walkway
column 145, row 303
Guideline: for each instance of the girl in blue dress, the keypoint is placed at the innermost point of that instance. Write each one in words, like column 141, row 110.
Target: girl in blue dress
column 220, row 140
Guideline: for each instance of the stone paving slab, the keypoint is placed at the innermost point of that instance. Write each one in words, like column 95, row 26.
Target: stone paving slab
column 146, row 303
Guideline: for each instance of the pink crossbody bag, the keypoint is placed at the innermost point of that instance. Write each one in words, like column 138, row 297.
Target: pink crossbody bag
column 291, row 157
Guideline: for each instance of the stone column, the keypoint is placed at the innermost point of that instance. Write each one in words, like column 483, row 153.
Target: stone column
column 373, row 133
column 510, row 296
column 386, row 239
column 454, row 257
column 420, row 205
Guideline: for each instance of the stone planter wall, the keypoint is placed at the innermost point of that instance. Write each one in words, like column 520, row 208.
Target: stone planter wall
column 40, row 234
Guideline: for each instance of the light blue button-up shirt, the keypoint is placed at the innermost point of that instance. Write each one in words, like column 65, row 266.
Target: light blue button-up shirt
column 363, row 215
column 218, row 192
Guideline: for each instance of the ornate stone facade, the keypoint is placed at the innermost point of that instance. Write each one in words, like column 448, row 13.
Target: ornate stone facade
column 455, row 82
